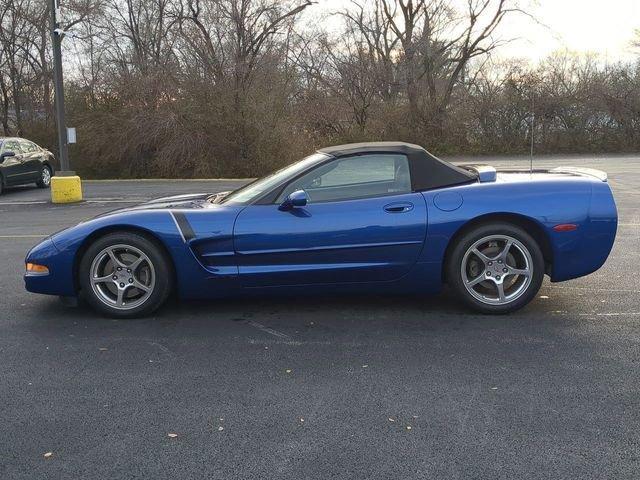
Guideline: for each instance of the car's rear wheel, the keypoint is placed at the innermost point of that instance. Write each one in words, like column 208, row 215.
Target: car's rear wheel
column 496, row 268
column 45, row 177
column 124, row 275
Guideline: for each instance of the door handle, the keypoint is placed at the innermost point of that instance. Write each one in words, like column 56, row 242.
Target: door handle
column 400, row 207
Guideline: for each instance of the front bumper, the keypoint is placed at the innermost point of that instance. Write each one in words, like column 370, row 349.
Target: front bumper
column 59, row 280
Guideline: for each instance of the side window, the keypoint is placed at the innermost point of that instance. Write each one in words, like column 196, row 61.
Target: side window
column 12, row 146
column 27, row 147
column 362, row 176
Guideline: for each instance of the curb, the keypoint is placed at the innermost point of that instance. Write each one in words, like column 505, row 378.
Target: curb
column 105, row 180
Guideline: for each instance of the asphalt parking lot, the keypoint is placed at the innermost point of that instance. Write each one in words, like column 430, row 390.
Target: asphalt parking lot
column 318, row 388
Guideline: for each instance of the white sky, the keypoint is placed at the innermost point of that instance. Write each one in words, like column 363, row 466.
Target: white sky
column 604, row 27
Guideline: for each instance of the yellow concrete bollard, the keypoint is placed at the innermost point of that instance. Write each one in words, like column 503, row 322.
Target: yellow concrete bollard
column 66, row 189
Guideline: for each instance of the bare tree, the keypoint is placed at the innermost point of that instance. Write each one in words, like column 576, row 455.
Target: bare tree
column 430, row 45
column 239, row 87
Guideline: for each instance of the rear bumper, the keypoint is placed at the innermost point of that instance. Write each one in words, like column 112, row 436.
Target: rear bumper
column 587, row 250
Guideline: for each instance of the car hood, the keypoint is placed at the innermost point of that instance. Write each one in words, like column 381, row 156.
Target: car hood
column 185, row 201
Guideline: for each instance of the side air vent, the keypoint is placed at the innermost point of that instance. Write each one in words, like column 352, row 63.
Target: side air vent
column 485, row 173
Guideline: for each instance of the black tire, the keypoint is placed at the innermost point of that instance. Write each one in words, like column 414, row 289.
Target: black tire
column 42, row 183
column 454, row 268
column 161, row 267
column 1, row 184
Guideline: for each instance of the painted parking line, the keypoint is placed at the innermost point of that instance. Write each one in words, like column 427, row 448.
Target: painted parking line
column 122, row 200
column 23, row 236
column 90, row 200
column 263, row 328
column 169, row 180
column 610, row 314
column 593, row 289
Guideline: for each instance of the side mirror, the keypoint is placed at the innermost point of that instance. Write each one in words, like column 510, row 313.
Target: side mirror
column 6, row 154
column 299, row 198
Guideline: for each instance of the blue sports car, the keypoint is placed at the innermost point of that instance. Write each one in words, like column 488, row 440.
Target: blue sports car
column 372, row 217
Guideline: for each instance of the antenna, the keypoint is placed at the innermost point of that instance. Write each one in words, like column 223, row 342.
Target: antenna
column 533, row 124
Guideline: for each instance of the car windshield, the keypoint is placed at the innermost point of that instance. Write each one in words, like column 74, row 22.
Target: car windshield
column 252, row 191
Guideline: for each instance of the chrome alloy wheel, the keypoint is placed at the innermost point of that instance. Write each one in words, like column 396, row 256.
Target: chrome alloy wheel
column 46, row 176
column 122, row 277
column 497, row 269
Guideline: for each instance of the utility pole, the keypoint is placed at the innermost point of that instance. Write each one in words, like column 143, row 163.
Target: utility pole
column 533, row 126
column 56, row 41
column 66, row 186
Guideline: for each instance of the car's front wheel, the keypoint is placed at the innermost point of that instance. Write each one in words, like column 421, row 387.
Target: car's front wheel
column 45, row 177
column 496, row 268
column 124, row 275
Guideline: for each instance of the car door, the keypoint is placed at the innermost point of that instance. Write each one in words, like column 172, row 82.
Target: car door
column 362, row 224
column 13, row 168
column 31, row 160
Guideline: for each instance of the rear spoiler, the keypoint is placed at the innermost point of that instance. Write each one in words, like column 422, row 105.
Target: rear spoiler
column 590, row 172
column 485, row 173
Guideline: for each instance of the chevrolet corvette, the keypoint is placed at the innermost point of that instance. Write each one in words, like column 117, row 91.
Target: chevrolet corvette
column 383, row 217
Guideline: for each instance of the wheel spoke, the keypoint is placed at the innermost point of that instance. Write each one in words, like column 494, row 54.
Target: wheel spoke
column 524, row 272
column 115, row 260
column 480, row 255
column 120, row 299
column 500, row 287
column 141, row 286
column 475, row 281
column 136, row 263
column 505, row 251
column 105, row 279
